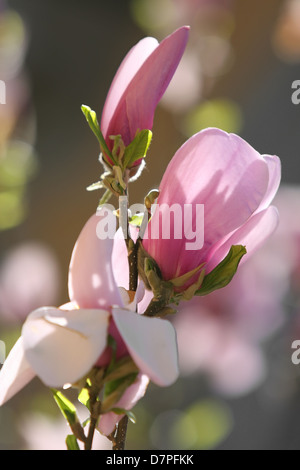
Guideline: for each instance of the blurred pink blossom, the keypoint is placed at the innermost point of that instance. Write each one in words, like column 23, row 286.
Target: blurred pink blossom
column 210, row 343
column 221, row 334
column 41, row 432
column 29, row 277
column 286, row 241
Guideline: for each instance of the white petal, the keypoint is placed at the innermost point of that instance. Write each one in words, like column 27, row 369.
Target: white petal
column 69, row 306
column 151, row 343
column 15, row 373
column 125, row 296
column 62, row 346
column 138, row 297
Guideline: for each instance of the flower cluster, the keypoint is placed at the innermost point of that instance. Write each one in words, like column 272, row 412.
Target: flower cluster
column 112, row 337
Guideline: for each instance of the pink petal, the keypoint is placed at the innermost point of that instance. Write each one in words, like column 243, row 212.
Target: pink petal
column 131, row 396
column 130, row 65
column 252, row 235
column 151, row 343
column 15, row 373
column 135, row 108
column 120, row 260
column 121, row 271
column 120, row 257
column 274, row 166
column 145, row 301
column 91, row 280
column 220, row 171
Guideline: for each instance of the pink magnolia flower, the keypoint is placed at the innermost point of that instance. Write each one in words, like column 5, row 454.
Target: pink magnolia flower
column 235, row 185
column 60, row 346
column 139, row 84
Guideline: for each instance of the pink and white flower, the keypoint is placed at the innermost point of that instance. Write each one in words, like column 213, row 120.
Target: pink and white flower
column 61, row 345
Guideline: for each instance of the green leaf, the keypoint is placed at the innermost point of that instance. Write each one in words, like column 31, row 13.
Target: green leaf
column 72, row 443
column 118, row 147
column 92, row 120
column 125, row 366
column 122, row 411
column 114, row 390
column 138, row 148
column 86, row 422
column 95, row 186
column 181, row 280
column 105, row 198
column 189, row 293
column 119, row 375
column 137, row 219
column 66, row 407
column 224, row 272
column 84, row 397
column 111, row 386
column 69, row 412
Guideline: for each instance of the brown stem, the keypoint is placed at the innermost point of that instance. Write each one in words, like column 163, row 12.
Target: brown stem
column 133, row 264
column 155, row 307
column 95, row 406
column 119, row 440
column 132, row 250
column 90, row 436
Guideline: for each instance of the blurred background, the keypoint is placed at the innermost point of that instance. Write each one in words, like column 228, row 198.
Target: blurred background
column 238, row 387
